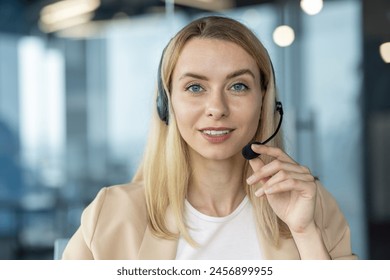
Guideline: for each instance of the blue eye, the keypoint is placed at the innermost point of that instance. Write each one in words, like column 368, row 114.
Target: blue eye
column 239, row 87
column 194, row 88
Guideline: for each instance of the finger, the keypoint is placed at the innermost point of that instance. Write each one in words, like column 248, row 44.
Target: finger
column 307, row 189
column 283, row 176
column 286, row 175
column 274, row 167
column 256, row 165
column 272, row 151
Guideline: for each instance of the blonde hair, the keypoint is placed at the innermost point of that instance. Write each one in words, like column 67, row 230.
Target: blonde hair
column 165, row 170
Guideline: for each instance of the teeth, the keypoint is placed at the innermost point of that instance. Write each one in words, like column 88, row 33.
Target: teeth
column 216, row 132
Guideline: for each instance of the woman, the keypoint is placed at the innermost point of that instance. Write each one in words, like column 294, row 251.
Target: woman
column 195, row 196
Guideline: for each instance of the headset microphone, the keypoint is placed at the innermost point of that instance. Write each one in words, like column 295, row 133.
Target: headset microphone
column 247, row 151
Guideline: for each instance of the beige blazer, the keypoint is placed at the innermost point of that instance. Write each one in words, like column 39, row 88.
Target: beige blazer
column 115, row 227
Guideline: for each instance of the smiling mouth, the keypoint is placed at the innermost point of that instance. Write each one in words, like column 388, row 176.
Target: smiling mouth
column 216, row 132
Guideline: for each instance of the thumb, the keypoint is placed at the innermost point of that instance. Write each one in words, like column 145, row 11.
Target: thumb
column 256, row 164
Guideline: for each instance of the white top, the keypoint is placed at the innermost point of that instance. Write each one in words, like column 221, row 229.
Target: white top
column 231, row 237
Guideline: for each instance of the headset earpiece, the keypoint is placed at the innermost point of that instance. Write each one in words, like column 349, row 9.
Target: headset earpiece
column 162, row 98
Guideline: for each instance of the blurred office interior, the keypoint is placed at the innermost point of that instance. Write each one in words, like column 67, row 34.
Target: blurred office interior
column 76, row 98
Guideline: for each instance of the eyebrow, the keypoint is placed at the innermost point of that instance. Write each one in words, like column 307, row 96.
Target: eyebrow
column 240, row 72
column 193, row 75
column 230, row 76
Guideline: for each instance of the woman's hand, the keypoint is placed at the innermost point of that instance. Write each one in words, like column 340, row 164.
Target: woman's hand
column 289, row 187
column 291, row 192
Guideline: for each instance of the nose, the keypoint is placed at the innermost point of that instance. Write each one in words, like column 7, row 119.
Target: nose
column 217, row 105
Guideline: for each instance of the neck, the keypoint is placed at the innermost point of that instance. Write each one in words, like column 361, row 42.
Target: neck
column 216, row 186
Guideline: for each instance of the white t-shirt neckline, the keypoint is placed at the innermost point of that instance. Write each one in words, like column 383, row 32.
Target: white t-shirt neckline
column 214, row 219
column 221, row 238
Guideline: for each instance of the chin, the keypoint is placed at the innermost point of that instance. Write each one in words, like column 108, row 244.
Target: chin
column 220, row 155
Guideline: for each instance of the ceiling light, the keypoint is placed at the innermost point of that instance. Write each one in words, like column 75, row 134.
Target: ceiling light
column 384, row 50
column 312, row 7
column 283, row 36
column 66, row 9
column 66, row 23
column 61, row 13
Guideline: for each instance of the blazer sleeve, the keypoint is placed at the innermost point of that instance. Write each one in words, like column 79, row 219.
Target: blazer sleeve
column 79, row 245
column 334, row 227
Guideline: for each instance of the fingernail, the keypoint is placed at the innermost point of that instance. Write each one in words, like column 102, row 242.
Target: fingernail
column 254, row 145
column 259, row 192
column 251, row 180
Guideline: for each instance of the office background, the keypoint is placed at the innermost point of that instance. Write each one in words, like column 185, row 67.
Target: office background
column 76, row 99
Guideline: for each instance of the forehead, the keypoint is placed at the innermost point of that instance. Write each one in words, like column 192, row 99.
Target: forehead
column 214, row 54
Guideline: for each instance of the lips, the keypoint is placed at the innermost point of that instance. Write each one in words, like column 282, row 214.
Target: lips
column 216, row 131
column 216, row 134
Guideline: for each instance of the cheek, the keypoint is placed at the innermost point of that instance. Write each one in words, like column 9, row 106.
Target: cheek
column 252, row 118
column 182, row 119
column 182, row 113
column 254, row 123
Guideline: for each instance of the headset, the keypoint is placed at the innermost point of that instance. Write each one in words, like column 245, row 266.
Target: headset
column 162, row 98
column 163, row 109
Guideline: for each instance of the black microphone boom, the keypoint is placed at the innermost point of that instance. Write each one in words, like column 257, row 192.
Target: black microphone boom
column 247, row 151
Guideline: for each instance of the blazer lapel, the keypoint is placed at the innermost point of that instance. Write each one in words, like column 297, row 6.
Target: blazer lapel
column 154, row 248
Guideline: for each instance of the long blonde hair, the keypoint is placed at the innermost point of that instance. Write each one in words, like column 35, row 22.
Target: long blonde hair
column 165, row 169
